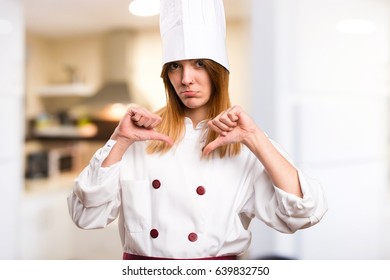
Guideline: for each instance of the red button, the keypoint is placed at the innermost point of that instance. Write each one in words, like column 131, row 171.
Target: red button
column 156, row 184
column 200, row 190
column 192, row 237
column 154, row 233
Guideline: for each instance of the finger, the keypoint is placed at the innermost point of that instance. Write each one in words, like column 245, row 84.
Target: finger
column 233, row 116
column 137, row 113
column 234, row 112
column 161, row 137
column 135, row 116
column 228, row 119
column 220, row 126
column 145, row 118
column 152, row 122
column 216, row 128
column 145, row 121
column 156, row 122
column 212, row 146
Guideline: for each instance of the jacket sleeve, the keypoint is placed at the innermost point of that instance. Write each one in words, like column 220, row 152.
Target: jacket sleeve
column 283, row 211
column 95, row 199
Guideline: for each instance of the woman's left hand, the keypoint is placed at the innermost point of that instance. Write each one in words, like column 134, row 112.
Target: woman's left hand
column 232, row 125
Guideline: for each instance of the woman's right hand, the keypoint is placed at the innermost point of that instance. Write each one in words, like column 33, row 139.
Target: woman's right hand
column 138, row 124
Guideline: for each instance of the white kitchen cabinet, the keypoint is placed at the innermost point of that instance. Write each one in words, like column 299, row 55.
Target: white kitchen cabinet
column 47, row 231
column 96, row 244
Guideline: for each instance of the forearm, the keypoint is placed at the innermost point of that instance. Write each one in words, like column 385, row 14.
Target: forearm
column 117, row 152
column 94, row 200
column 282, row 173
column 92, row 217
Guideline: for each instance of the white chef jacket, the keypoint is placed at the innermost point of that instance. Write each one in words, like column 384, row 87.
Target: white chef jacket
column 177, row 205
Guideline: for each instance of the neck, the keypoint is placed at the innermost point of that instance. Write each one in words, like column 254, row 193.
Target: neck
column 196, row 116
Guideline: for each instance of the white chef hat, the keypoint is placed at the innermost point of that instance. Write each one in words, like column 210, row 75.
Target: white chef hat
column 193, row 29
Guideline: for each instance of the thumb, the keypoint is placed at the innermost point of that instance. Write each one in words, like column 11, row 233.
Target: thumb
column 218, row 142
column 161, row 137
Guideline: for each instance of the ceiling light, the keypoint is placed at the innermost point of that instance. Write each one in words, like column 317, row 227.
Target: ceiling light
column 5, row 27
column 144, row 8
column 356, row 26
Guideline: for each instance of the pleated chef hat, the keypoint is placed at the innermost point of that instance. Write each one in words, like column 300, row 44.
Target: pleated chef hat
column 192, row 29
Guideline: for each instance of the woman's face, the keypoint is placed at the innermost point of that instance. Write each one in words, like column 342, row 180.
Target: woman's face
column 192, row 84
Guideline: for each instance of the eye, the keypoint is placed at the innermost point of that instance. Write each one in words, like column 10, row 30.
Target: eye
column 200, row 63
column 173, row 66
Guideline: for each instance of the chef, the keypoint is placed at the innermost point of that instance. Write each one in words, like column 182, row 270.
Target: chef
column 186, row 181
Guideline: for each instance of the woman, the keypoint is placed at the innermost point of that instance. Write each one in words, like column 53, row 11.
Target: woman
column 186, row 182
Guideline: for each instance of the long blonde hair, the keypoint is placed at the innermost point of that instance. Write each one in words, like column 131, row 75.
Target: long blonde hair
column 173, row 113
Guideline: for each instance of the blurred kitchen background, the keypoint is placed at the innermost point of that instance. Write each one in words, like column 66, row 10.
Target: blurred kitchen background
column 314, row 74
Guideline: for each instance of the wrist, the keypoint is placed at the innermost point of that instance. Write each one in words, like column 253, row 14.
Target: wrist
column 121, row 139
column 253, row 139
column 118, row 150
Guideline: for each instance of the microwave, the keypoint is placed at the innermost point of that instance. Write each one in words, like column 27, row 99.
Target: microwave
column 52, row 162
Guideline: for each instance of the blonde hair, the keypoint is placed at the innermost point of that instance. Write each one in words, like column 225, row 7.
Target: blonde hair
column 173, row 113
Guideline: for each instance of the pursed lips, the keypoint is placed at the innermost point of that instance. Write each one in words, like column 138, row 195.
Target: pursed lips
column 189, row 93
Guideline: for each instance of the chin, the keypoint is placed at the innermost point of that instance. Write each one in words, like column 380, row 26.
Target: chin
column 194, row 104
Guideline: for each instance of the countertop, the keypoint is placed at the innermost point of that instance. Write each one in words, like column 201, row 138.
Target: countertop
column 61, row 182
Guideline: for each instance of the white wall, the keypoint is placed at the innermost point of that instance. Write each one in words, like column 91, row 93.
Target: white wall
column 324, row 95
column 11, row 123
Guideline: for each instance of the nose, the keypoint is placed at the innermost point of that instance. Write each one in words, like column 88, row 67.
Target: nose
column 187, row 75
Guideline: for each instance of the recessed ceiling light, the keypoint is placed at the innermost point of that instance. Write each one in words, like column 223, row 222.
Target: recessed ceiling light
column 145, row 8
column 5, row 27
column 356, row 26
